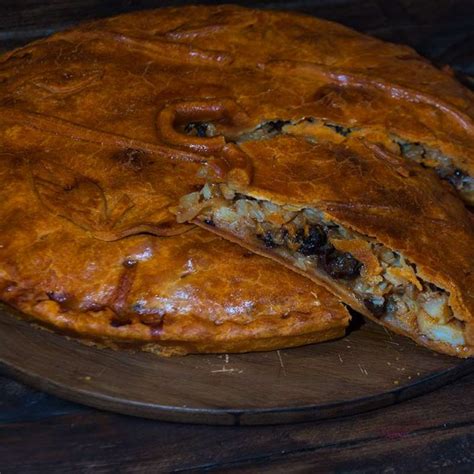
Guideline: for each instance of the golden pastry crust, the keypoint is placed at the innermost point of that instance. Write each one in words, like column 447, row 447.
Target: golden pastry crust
column 105, row 126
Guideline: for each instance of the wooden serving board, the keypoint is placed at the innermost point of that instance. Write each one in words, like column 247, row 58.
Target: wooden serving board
column 366, row 370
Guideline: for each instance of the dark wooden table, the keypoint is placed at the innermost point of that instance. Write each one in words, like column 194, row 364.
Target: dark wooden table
column 41, row 433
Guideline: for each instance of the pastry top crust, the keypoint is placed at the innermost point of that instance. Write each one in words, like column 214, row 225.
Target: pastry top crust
column 117, row 74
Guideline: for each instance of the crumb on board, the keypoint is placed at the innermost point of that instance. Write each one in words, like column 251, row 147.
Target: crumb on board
column 226, row 370
column 363, row 370
column 281, row 362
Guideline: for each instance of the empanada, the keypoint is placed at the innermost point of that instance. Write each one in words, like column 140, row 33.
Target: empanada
column 103, row 128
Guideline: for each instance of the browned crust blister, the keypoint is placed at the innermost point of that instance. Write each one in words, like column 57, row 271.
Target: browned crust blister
column 94, row 152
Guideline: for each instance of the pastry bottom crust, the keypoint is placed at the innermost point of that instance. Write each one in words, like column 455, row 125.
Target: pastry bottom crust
column 170, row 347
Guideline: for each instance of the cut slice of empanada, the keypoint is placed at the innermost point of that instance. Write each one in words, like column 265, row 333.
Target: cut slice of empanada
column 374, row 228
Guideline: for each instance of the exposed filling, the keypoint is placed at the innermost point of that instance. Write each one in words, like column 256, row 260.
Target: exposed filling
column 200, row 129
column 424, row 155
column 382, row 279
column 443, row 165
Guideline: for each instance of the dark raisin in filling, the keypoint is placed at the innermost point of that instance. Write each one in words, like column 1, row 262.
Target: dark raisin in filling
column 457, row 178
column 276, row 125
column 197, row 128
column 267, row 239
column 340, row 265
column 118, row 323
column 425, row 156
column 344, row 131
column 376, row 306
column 312, row 242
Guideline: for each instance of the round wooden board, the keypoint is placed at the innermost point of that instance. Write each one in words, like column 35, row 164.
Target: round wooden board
column 368, row 369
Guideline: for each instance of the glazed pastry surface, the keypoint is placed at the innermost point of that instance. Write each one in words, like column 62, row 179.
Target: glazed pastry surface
column 106, row 126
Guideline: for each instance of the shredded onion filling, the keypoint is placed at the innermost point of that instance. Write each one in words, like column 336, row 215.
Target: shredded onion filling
column 382, row 279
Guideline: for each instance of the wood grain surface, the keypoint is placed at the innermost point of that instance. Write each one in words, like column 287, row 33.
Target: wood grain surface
column 368, row 369
column 432, row 433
